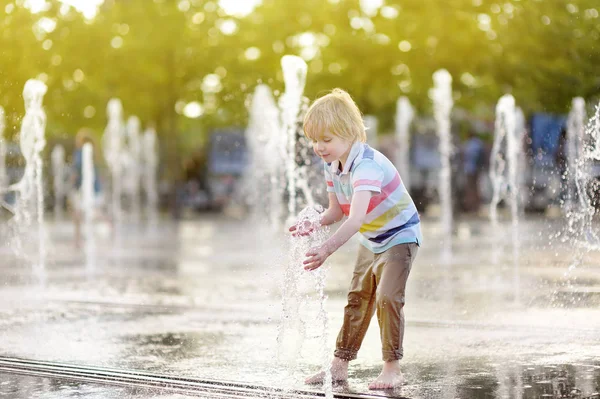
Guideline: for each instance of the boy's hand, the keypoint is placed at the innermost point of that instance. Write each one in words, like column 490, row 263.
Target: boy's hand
column 315, row 257
column 302, row 228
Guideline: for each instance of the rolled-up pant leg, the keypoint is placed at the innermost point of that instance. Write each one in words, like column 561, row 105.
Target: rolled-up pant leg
column 391, row 269
column 360, row 308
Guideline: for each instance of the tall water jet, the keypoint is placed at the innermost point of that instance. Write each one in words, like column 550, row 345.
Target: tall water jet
column 113, row 145
column 574, row 150
column 583, row 151
column 267, row 149
column 150, row 156
column 498, row 159
column 441, row 94
column 3, row 175
column 133, row 172
column 520, row 137
column 404, row 117
column 88, row 198
column 507, row 113
column 506, row 158
column 29, row 190
column 497, row 174
column 504, row 172
column 58, row 172
column 290, row 102
column 581, row 219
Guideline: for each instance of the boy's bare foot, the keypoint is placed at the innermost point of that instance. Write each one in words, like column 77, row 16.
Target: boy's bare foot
column 339, row 372
column 390, row 377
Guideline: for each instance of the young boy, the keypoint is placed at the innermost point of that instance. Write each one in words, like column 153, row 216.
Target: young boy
column 365, row 186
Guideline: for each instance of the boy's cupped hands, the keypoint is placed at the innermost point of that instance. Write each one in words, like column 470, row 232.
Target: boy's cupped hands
column 303, row 228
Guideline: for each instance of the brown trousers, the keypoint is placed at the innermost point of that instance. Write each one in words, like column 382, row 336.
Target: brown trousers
column 379, row 283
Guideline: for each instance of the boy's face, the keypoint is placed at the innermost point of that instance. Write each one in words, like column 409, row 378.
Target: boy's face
column 331, row 147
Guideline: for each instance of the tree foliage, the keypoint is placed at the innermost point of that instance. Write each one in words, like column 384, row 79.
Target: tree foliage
column 154, row 55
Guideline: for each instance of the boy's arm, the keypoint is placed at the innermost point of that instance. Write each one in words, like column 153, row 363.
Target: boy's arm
column 358, row 211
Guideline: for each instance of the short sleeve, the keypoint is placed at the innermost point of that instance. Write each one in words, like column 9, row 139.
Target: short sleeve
column 328, row 178
column 368, row 176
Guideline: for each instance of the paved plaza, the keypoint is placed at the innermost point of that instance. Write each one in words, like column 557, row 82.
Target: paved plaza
column 201, row 300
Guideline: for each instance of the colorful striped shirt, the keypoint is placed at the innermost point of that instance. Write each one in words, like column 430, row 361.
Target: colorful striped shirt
column 392, row 216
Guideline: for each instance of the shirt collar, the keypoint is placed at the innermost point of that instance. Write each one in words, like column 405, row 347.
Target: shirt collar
column 352, row 155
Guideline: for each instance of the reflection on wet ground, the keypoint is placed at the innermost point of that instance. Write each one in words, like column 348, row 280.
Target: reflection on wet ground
column 19, row 386
column 202, row 299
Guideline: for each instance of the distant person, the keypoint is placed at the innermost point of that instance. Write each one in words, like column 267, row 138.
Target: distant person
column 363, row 185
column 473, row 165
column 76, row 196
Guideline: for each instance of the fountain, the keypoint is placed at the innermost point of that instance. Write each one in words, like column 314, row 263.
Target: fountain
column 574, row 150
column 58, row 172
column 290, row 102
column 580, row 220
column 296, row 289
column 113, row 145
column 274, row 138
column 150, row 157
column 506, row 158
column 267, row 150
column 441, row 94
column 521, row 158
column 29, row 204
column 133, row 166
column 3, row 175
column 404, row 117
column 498, row 165
column 88, row 199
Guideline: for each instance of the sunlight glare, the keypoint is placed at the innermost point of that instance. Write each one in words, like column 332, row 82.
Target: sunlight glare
column 89, row 8
column 239, row 8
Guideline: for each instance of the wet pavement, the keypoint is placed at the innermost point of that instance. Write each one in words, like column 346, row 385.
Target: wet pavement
column 202, row 299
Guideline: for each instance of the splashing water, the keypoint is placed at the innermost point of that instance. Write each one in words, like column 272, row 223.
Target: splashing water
column 267, row 154
column 3, row 175
column 441, row 95
column 581, row 219
column 292, row 328
column 150, row 157
column 498, row 158
column 113, row 146
column 29, row 205
column 275, row 138
column 575, row 136
column 505, row 161
column 583, row 155
column 404, row 117
column 320, row 277
column 290, row 102
column 58, row 171
column 521, row 157
column 132, row 166
column 87, row 204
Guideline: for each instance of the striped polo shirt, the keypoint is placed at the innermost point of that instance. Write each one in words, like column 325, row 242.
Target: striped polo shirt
column 392, row 216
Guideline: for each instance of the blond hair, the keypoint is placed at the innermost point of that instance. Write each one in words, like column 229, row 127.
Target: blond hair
column 337, row 113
